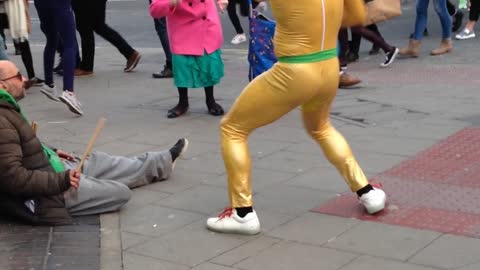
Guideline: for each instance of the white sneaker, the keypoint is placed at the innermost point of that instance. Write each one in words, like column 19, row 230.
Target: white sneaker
column 50, row 92
column 374, row 200
column 465, row 34
column 71, row 101
column 229, row 222
column 239, row 38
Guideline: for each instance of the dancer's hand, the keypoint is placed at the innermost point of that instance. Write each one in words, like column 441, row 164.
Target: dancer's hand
column 222, row 4
column 74, row 179
column 174, row 3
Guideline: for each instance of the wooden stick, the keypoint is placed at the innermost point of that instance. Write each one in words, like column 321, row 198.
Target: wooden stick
column 34, row 127
column 100, row 125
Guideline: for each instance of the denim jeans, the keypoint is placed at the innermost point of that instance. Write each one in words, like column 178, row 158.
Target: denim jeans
column 422, row 14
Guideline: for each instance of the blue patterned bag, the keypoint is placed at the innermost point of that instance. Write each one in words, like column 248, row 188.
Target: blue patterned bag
column 261, row 56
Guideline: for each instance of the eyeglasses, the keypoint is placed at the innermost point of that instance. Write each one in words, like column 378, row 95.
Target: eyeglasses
column 18, row 75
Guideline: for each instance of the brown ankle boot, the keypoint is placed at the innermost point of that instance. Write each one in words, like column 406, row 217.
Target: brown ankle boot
column 412, row 50
column 445, row 47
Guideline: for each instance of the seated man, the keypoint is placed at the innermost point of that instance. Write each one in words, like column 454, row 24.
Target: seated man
column 40, row 185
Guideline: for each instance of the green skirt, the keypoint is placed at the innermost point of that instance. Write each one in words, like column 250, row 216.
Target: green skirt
column 191, row 71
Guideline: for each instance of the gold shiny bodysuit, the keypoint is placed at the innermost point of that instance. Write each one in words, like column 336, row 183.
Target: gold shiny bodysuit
column 306, row 75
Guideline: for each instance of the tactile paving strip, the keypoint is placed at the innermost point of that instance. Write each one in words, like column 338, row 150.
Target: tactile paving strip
column 438, row 189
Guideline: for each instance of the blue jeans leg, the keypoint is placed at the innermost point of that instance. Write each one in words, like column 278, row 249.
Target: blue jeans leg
column 444, row 16
column 421, row 19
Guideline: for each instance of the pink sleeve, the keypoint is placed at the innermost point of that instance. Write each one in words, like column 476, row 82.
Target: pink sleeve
column 160, row 8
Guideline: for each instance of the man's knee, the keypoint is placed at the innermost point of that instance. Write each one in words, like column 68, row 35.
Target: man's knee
column 122, row 195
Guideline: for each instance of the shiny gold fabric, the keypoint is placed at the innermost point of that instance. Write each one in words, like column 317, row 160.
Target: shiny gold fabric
column 303, row 27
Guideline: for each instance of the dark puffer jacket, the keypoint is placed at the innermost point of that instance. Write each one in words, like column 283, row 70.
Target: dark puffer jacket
column 26, row 173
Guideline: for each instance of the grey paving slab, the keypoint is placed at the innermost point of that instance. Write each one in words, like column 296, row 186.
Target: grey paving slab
column 288, row 255
column 249, row 249
column 188, row 246
column 320, row 178
column 383, row 240
column 153, row 220
column 474, row 266
column 313, row 228
column 181, row 180
column 289, row 200
column 143, row 196
column 270, row 220
column 201, row 199
column 136, row 262
column 132, row 239
column 291, row 162
column 206, row 163
column 212, row 266
column 449, row 251
column 368, row 263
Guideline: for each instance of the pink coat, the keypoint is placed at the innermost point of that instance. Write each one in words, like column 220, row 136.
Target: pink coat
column 193, row 26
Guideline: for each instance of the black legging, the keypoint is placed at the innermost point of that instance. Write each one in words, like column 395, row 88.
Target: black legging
column 474, row 10
column 24, row 47
column 244, row 11
column 357, row 38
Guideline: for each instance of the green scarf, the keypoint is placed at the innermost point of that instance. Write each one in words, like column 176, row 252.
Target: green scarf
column 53, row 158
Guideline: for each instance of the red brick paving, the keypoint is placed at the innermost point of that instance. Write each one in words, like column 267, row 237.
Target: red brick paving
column 438, row 189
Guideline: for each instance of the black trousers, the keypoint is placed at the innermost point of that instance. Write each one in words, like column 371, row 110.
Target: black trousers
column 90, row 16
column 244, row 11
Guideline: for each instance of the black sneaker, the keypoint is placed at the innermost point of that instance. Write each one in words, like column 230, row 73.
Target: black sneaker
column 36, row 81
column 351, row 57
column 390, row 57
column 457, row 21
column 178, row 150
column 165, row 73
column 58, row 69
column 425, row 33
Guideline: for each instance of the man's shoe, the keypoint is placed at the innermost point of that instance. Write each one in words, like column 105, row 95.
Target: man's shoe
column 50, row 92
column 70, row 99
column 351, row 57
column 347, row 80
column 165, row 73
column 390, row 57
column 82, row 72
column 229, row 222
column 374, row 200
column 36, row 81
column 178, row 150
column 132, row 61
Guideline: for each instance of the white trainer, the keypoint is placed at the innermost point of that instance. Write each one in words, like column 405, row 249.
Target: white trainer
column 72, row 102
column 262, row 7
column 229, row 222
column 239, row 38
column 50, row 92
column 374, row 200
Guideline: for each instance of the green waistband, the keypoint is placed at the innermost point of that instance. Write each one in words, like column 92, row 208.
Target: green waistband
column 309, row 58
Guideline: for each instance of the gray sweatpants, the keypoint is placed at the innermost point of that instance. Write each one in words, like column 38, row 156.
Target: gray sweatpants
column 106, row 180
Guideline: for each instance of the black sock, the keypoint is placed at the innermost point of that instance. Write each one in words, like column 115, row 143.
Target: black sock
column 183, row 96
column 364, row 190
column 243, row 211
column 209, row 99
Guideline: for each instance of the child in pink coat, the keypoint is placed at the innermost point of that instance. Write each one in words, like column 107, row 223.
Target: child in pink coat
column 195, row 35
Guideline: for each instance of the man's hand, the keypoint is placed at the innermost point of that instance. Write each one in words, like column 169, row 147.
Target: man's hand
column 65, row 156
column 222, row 4
column 74, row 179
column 174, row 3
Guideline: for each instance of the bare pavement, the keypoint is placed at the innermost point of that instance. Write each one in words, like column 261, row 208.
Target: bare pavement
column 413, row 127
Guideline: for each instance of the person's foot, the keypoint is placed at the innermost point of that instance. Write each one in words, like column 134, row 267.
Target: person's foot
column 50, row 92
column 70, row 99
column 262, row 7
column 390, row 57
column 178, row 150
column 215, row 109
column 351, row 56
column 229, row 222
column 177, row 111
column 165, row 73
column 36, row 81
column 132, row 61
column 58, row 69
column 82, row 72
column 238, row 38
column 457, row 21
column 347, row 80
column 465, row 34
column 374, row 200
